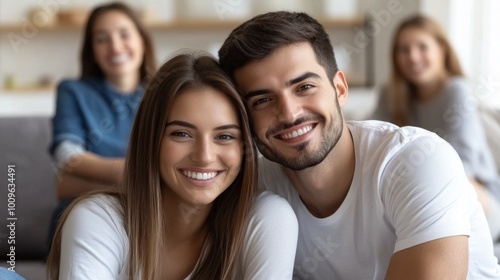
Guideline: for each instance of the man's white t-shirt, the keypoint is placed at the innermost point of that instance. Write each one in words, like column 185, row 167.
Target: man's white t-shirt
column 95, row 245
column 409, row 187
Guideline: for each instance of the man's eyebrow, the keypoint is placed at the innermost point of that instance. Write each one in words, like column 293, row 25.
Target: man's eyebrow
column 253, row 93
column 293, row 81
column 302, row 77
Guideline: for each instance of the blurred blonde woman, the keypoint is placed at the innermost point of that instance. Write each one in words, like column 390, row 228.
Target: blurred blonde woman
column 427, row 89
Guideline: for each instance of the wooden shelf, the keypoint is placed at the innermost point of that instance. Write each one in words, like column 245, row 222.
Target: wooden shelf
column 181, row 25
column 28, row 89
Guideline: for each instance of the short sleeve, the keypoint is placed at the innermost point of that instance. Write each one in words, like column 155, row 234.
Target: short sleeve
column 270, row 241
column 93, row 244
column 426, row 193
column 67, row 124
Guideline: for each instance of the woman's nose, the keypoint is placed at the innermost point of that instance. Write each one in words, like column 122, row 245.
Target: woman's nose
column 203, row 151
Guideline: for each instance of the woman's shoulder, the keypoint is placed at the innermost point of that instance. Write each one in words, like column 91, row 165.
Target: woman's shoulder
column 457, row 91
column 266, row 203
column 457, row 84
column 104, row 205
column 79, row 86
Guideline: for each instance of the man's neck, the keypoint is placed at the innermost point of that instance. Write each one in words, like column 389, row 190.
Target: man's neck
column 324, row 187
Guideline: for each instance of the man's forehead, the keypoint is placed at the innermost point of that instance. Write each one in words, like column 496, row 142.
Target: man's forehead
column 282, row 66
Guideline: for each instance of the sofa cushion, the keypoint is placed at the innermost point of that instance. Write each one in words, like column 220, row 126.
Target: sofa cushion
column 24, row 143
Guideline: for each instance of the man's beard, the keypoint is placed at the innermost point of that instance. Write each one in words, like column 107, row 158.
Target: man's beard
column 307, row 158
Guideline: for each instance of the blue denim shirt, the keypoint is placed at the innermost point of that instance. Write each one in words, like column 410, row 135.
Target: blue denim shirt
column 92, row 113
column 6, row 274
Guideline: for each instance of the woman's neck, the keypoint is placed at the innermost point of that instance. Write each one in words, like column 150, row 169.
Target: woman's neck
column 124, row 83
column 186, row 231
column 185, row 222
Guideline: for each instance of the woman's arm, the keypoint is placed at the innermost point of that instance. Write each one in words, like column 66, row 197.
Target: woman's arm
column 82, row 171
column 70, row 186
column 95, row 168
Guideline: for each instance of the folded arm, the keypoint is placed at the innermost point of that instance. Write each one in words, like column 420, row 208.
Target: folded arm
column 82, row 171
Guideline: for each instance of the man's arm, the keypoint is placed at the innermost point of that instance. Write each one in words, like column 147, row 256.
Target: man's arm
column 431, row 205
column 444, row 258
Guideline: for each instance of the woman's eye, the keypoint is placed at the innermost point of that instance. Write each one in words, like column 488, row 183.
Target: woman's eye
column 226, row 137
column 179, row 134
column 403, row 49
column 423, row 47
column 100, row 39
column 125, row 35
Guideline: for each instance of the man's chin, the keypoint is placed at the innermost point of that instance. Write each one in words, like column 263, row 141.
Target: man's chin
column 297, row 163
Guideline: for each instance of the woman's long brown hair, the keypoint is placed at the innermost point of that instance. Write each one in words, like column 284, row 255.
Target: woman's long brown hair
column 400, row 91
column 142, row 197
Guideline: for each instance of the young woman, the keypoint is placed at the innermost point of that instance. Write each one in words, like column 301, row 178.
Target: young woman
column 189, row 208
column 94, row 114
column 427, row 89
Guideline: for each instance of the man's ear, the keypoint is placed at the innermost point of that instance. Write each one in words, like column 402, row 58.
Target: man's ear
column 340, row 84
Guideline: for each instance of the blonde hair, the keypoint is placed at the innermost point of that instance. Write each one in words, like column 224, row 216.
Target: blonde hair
column 400, row 91
column 142, row 192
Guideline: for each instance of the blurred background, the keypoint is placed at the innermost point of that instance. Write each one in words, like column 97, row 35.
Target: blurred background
column 40, row 40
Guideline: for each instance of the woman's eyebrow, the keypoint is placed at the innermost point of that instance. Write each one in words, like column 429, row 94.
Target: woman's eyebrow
column 181, row 123
column 190, row 125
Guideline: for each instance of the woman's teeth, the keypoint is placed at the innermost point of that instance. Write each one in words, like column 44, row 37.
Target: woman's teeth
column 119, row 58
column 199, row 175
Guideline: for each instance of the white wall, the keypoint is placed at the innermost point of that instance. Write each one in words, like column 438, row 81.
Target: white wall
column 54, row 54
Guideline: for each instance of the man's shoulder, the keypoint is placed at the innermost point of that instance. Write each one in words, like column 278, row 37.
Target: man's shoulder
column 378, row 134
column 383, row 147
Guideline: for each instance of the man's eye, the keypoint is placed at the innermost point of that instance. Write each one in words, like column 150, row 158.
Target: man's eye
column 305, row 87
column 260, row 101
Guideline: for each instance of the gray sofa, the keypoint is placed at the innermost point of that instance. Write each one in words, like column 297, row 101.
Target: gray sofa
column 24, row 143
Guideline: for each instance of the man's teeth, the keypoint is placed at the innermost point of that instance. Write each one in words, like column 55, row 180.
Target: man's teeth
column 296, row 133
column 199, row 175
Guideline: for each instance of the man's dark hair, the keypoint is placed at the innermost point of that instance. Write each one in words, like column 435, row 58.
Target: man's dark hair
column 260, row 36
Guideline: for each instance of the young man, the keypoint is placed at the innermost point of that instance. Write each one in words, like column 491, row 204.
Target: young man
column 373, row 200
